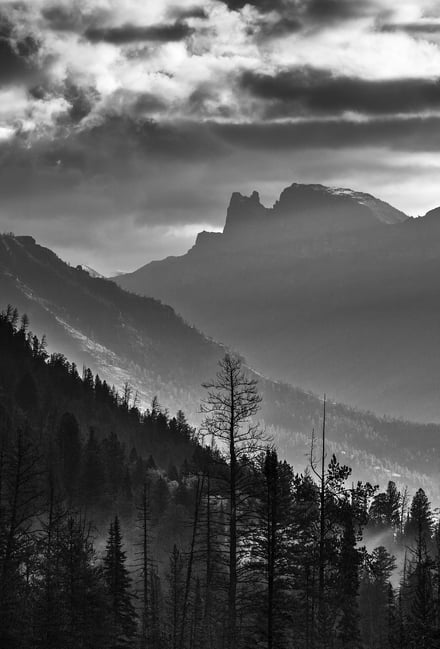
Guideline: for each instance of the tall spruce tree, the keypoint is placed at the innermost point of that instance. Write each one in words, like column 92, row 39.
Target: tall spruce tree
column 348, row 632
column 122, row 612
column 272, row 543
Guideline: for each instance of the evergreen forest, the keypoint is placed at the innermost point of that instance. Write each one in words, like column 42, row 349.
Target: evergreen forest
column 127, row 528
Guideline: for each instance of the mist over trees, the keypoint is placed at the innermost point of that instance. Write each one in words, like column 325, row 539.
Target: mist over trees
column 128, row 529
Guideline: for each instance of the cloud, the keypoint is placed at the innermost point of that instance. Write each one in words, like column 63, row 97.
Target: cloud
column 265, row 6
column 129, row 33
column 333, row 10
column 417, row 28
column 17, row 55
column 120, row 194
column 308, row 91
column 184, row 13
column 306, row 11
column 125, row 116
column 65, row 18
column 411, row 134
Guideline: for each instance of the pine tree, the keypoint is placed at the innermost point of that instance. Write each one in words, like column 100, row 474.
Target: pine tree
column 419, row 523
column 348, row 579
column 422, row 614
column 123, row 616
column 379, row 620
column 21, row 503
column 271, row 548
column 385, row 513
column 84, row 600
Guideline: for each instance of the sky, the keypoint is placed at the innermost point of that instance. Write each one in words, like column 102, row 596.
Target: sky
column 125, row 125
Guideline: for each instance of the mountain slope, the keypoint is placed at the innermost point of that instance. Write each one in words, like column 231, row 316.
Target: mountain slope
column 127, row 337
column 330, row 289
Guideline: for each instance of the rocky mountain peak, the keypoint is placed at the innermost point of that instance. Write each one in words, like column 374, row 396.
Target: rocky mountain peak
column 243, row 211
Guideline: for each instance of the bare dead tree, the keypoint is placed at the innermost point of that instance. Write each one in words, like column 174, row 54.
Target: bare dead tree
column 190, row 563
column 322, row 522
column 143, row 523
column 232, row 402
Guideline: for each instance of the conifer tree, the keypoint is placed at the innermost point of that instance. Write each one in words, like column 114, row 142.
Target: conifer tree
column 271, row 546
column 422, row 614
column 385, row 509
column 379, row 621
column 122, row 613
column 419, row 524
column 348, row 585
column 20, row 486
column 86, row 614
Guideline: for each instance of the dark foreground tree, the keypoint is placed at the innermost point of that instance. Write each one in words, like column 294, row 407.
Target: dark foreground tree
column 122, row 613
column 231, row 403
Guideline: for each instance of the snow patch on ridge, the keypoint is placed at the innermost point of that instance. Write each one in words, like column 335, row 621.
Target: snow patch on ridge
column 383, row 211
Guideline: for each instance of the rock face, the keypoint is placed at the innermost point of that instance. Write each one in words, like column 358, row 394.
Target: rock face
column 307, row 211
column 244, row 213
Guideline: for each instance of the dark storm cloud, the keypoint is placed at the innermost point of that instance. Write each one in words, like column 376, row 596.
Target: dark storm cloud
column 121, row 153
column 17, row 55
column 412, row 28
column 146, row 103
column 61, row 18
column 324, row 11
column 80, row 99
column 119, row 148
column 307, row 90
column 277, row 17
column 265, row 6
column 332, row 10
column 128, row 33
column 282, row 17
column 276, row 27
column 182, row 13
column 407, row 135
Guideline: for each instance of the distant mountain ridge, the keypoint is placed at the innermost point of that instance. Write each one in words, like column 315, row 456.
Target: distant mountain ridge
column 330, row 289
column 303, row 209
column 125, row 337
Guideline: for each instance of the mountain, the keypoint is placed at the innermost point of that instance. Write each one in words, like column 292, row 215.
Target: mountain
column 330, row 289
column 128, row 338
column 106, row 507
column 44, row 395
column 303, row 211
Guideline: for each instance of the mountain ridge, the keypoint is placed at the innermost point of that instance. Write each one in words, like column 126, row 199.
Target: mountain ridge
column 260, row 286
column 125, row 337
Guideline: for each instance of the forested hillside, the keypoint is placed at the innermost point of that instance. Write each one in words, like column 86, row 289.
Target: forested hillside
column 121, row 528
column 139, row 340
